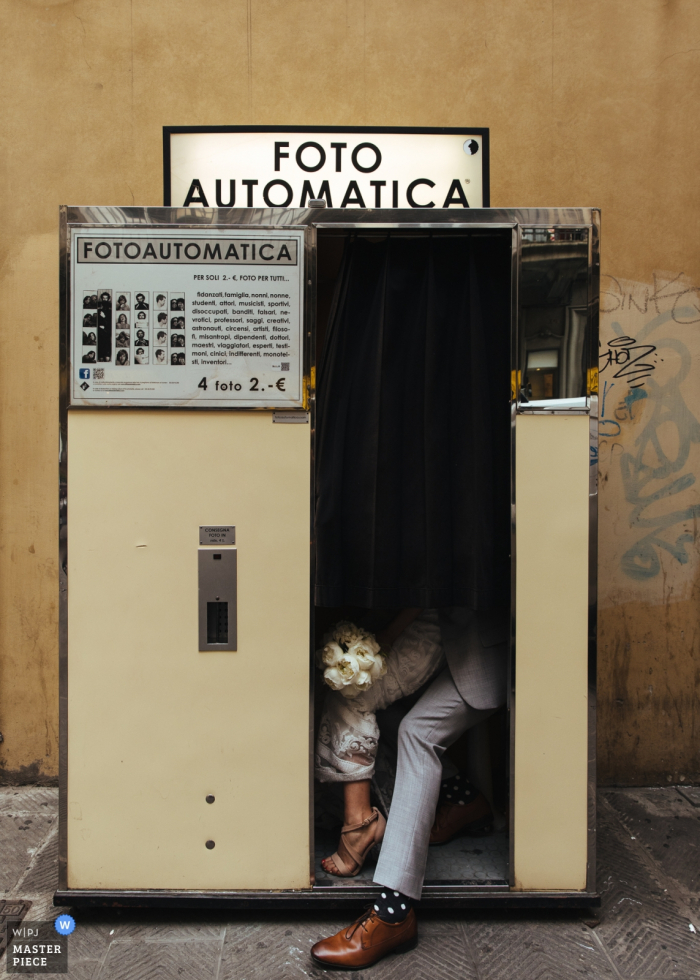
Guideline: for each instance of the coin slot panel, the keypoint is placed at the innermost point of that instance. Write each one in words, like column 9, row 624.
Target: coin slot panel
column 218, row 588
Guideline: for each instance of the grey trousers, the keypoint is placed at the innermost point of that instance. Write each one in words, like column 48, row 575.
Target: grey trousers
column 431, row 726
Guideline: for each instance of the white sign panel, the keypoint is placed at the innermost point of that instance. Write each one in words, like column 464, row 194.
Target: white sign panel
column 347, row 168
column 199, row 317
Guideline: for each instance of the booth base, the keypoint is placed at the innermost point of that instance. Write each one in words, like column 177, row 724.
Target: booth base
column 475, row 895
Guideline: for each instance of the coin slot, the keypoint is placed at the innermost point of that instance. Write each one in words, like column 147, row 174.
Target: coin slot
column 217, row 622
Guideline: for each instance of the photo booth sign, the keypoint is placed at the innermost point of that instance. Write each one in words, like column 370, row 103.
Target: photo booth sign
column 197, row 318
column 351, row 167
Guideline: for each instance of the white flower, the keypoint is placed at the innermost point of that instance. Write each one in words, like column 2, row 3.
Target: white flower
column 333, row 678
column 363, row 681
column 349, row 667
column 329, row 655
column 346, row 633
column 365, row 650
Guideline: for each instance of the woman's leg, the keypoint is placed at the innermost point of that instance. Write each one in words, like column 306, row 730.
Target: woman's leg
column 348, row 734
column 357, row 810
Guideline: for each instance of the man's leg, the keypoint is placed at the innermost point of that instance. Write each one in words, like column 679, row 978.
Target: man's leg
column 389, row 925
column 433, row 724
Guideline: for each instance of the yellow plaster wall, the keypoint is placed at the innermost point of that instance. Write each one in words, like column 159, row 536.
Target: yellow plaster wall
column 588, row 104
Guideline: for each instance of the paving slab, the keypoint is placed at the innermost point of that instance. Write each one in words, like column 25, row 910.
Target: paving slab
column 643, row 927
column 41, row 876
column 25, row 832
column 28, row 799
column 541, row 946
column 249, row 952
column 690, row 793
column 667, row 825
column 648, row 846
column 128, row 960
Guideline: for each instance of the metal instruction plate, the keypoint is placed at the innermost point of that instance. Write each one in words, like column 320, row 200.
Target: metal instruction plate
column 217, row 534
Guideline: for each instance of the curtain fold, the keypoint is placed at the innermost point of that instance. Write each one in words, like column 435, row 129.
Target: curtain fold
column 413, row 468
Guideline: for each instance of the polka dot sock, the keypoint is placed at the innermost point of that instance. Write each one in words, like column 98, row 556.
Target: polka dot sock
column 457, row 790
column 392, row 906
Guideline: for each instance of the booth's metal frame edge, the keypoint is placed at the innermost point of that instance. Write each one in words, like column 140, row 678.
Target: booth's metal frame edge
column 442, row 897
column 434, row 896
column 64, row 355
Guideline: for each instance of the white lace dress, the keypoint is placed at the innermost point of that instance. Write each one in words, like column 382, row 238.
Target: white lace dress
column 349, row 726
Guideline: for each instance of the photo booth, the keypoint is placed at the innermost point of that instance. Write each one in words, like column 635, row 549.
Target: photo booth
column 272, row 419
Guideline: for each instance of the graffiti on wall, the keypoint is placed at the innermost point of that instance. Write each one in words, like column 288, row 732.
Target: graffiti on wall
column 650, row 344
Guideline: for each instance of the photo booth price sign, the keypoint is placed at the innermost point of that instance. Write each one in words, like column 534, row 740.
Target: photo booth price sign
column 209, row 318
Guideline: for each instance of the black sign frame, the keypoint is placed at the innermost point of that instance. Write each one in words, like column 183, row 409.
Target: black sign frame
column 403, row 130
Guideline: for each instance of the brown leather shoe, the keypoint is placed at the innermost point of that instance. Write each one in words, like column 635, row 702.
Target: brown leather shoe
column 474, row 819
column 367, row 940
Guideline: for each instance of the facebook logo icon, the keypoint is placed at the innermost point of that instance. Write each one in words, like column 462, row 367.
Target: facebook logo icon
column 84, row 372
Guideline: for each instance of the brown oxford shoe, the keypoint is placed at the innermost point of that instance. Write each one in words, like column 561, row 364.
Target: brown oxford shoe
column 474, row 819
column 367, row 940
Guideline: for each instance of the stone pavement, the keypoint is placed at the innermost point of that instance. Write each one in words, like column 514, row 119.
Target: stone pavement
column 648, row 875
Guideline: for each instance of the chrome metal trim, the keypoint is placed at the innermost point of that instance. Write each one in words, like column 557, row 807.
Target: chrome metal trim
column 310, row 265
column 592, row 639
column 515, row 275
column 329, row 217
column 594, row 308
column 64, row 307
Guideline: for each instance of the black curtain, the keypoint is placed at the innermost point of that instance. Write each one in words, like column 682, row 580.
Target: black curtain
column 413, row 468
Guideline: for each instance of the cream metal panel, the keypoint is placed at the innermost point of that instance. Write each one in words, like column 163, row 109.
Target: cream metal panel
column 551, row 717
column 154, row 726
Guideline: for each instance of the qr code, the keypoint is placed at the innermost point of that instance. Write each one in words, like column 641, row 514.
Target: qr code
column 99, row 374
column 285, row 365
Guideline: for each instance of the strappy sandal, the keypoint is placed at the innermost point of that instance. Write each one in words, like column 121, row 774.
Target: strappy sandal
column 358, row 856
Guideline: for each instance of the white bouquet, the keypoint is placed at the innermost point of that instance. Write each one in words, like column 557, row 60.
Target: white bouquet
column 351, row 660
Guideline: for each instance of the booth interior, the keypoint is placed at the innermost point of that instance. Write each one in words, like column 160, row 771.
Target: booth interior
column 412, row 502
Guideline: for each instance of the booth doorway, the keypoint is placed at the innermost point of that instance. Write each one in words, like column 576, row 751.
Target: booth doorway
column 413, row 483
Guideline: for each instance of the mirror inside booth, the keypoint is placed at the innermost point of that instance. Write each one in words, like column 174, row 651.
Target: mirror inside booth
column 412, row 517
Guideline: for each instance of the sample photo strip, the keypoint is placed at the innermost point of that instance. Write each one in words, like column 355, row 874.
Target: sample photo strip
column 105, row 323
column 178, row 341
column 122, row 332
column 89, row 332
